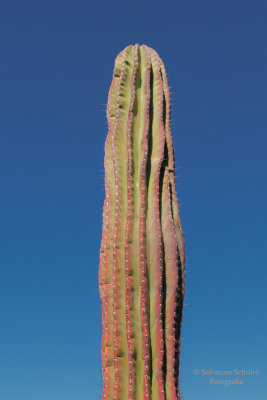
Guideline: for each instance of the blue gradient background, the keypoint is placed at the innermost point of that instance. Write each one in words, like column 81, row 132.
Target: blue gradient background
column 56, row 67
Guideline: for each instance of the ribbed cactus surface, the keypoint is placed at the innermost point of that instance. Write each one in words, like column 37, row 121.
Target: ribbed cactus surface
column 141, row 271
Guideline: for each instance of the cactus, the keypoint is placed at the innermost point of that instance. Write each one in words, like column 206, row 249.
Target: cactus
column 141, row 270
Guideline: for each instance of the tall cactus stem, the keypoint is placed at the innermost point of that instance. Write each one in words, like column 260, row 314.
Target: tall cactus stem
column 142, row 255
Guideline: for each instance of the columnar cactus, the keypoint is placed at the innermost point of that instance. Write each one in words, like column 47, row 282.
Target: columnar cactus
column 141, row 271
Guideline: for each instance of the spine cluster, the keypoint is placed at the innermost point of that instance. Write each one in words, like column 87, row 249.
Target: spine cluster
column 142, row 257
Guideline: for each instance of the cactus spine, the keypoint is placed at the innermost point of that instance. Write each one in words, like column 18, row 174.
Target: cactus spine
column 141, row 271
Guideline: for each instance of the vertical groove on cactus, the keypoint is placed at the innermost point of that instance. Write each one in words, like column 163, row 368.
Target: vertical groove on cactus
column 171, row 267
column 154, row 237
column 144, row 301
column 141, row 270
column 128, row 307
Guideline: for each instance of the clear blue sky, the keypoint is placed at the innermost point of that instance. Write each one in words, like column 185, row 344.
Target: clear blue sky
column 56, row 66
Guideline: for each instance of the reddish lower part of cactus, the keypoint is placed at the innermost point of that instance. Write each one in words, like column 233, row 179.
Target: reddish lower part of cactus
column 142, row 257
